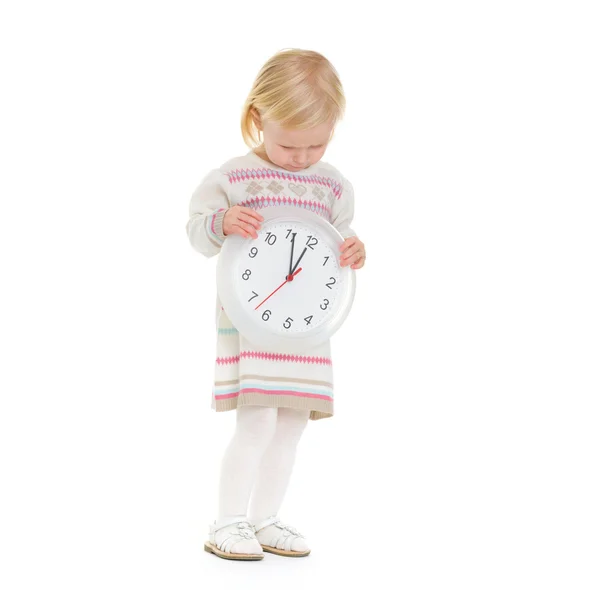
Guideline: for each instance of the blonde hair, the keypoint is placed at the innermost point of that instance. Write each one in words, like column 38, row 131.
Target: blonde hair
column 297, row 89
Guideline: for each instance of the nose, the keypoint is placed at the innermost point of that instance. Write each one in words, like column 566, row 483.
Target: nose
column 300, row 157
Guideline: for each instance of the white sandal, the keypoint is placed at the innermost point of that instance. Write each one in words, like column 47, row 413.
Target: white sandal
column 276, row 537
column 222, row 538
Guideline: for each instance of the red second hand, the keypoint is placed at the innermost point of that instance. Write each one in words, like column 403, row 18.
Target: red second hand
column 287, row 280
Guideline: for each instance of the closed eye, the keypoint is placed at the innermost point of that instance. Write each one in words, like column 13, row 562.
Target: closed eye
column 312, row 147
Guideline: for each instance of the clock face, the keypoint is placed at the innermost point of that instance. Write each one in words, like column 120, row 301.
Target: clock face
column 288, row 279
column 255, row 290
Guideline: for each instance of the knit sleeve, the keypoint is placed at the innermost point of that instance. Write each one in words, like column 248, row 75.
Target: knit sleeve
column 343, row 210
column 208, row 206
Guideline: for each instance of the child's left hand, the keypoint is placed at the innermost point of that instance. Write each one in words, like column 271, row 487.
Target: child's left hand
column 353, row 252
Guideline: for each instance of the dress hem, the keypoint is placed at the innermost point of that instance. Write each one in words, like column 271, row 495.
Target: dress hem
column 324, row 407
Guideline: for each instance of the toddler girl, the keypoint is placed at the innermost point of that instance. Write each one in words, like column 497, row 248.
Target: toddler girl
column 294, row 104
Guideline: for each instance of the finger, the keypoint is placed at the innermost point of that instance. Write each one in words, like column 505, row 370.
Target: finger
column 249, row 219
column 248, row 229
column 242, row 231
column 346, row 260
column 354, row 259
column 351, row 251
column 352, row 247
column 360, row 260
column 252, row 213
column 347, row 243
column 245, row 223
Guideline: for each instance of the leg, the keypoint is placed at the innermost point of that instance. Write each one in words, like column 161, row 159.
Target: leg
column 255, row 427
column 277, row 464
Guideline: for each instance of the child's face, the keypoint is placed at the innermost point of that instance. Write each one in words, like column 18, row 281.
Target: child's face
column 295, row 149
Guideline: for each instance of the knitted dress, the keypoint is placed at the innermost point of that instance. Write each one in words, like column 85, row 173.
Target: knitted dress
column 244, row 373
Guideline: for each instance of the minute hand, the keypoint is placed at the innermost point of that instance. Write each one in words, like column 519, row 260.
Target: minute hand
column 292, row 255
column 298, row 261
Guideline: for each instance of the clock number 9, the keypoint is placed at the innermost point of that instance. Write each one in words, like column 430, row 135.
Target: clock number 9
column 324, row 304
column 266, row 315
column 288, row 323
column 247, row 274
column 253, row 252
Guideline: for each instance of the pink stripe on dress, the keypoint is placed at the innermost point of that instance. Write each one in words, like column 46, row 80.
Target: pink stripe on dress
column 273, row 392
column 294, row 358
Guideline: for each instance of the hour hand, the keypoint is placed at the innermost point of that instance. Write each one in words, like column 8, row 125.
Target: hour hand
column 298, row 261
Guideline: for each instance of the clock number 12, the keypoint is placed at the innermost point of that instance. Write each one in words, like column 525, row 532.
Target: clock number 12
column 311, row 242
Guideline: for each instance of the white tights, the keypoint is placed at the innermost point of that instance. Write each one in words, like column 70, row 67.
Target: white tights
column 258, row 462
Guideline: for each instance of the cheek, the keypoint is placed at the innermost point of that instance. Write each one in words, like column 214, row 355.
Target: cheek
column 278, row 155
column 316, row 155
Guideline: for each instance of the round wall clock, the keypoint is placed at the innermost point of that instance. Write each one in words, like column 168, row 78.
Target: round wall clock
column 285, row 290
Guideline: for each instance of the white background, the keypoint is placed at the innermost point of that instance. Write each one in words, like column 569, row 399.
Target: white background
column 464, row 448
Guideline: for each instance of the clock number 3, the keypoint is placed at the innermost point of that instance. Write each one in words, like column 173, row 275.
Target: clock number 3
column 324, row 304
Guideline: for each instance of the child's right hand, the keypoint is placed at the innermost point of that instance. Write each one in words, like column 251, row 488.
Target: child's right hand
column 242, row 221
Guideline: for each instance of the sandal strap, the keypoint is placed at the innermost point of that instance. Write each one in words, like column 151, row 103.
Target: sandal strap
column 265, row 523
column 221, row 524
column 243, row 531
column 282, row 537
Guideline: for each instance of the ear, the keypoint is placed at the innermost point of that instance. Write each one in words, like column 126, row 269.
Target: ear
column 256, row 118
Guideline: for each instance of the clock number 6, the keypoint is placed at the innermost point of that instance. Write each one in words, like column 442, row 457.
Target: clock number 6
column 266, row 313
column 325, row 302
